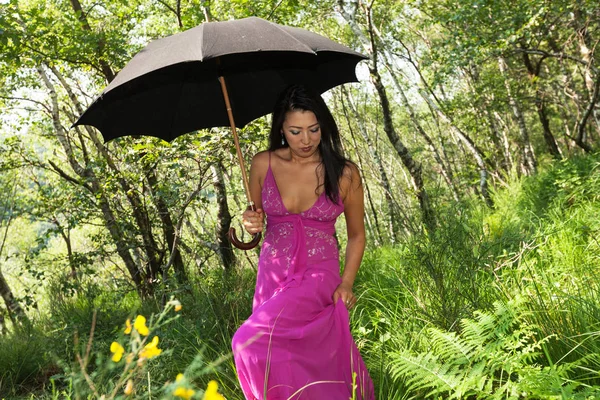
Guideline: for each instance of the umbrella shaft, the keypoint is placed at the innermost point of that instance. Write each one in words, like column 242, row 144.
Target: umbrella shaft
column 236, row 139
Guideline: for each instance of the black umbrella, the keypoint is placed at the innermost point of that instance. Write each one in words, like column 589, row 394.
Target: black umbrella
column 177, row 84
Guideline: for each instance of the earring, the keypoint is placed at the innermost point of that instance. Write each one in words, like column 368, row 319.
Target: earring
column 282, row 140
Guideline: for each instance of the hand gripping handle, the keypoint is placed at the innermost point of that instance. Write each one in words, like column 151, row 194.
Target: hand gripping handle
column 238, row 243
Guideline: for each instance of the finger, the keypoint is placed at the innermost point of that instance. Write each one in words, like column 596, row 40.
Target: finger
column 336, row 297
column 253, row 214
column 351, row 301
column 253, row 218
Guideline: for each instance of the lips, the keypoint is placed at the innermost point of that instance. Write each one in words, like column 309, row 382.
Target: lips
column 306, row 148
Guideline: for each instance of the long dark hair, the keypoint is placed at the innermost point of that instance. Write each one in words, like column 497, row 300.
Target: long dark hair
column 301, row 98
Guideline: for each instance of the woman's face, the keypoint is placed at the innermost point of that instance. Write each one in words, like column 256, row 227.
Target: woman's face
column 302, row 132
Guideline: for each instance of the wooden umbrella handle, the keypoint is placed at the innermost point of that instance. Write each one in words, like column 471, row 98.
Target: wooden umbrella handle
column 232, row 236
column 241, row 245
column 238, row 243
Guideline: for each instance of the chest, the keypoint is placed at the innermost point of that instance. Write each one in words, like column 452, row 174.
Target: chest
column 299, row 187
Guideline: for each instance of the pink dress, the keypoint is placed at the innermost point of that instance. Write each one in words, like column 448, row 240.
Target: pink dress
column 297, row 342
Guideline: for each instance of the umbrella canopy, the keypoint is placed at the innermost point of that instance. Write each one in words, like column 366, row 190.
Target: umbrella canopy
column 171, row 87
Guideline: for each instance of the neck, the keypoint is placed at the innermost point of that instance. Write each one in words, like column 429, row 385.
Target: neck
column 315, row 157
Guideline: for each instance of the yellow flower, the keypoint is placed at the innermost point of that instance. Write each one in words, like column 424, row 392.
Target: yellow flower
column 128, row 388
column 117, row 351
column 140, row 325
column 176, row 304
column 212, row 393
column 128, row 326
column 151, row 349
column 184, row 393
column 179, row 378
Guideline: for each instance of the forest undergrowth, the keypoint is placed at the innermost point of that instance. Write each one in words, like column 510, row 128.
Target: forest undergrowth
column 496, row 303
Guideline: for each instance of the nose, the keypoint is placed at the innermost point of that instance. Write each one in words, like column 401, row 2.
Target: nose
column 305, row 139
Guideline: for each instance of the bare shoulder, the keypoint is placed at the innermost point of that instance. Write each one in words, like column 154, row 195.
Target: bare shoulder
column 351, row 171
column 260, row 160
column 351, row 180
column 259, row 166
column 261, row 157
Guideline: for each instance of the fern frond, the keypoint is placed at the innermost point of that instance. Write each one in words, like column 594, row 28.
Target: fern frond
column 423, row 372
column 450, row 346
column 494, row 357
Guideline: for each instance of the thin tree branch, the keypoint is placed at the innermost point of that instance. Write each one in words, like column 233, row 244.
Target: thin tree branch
column 177, row 11
column 69, row 178
column 274, row 9
column 24, row 99
column 581, row 125
column 556, row 55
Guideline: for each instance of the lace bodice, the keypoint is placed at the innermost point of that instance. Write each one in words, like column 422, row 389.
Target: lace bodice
column 318, row 223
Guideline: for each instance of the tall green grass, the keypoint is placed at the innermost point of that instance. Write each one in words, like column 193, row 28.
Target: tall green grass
column 43, row 363
column 540, row 244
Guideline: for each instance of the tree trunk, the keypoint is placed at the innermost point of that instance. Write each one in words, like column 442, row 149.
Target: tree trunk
column 167, row 226
column 444, row 169
column 176, row 10
column 504, row 137
column 468, row 142
column 580, row 139
column 15, row 311
column 567, row 91
column 3, row 328
column 497, row 138
column 374, row 229
column 142, row 285
column 223, row 218
column 529, row 161
column 540, row 105
column 385, row 182
column 67, row 238
column 583, row 36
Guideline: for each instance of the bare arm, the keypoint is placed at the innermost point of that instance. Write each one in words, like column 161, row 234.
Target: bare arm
column 254, row 220
column 352, row 191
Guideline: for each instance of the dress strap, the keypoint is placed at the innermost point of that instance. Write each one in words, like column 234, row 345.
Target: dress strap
column 270, row 170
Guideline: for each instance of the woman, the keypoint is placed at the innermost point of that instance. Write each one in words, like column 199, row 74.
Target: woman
column 297, row 342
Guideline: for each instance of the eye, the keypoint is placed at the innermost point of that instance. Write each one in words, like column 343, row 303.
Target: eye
column 294, row 132
column 315, row 130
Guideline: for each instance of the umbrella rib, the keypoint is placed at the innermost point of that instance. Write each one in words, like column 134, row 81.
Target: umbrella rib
column 292, row 36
